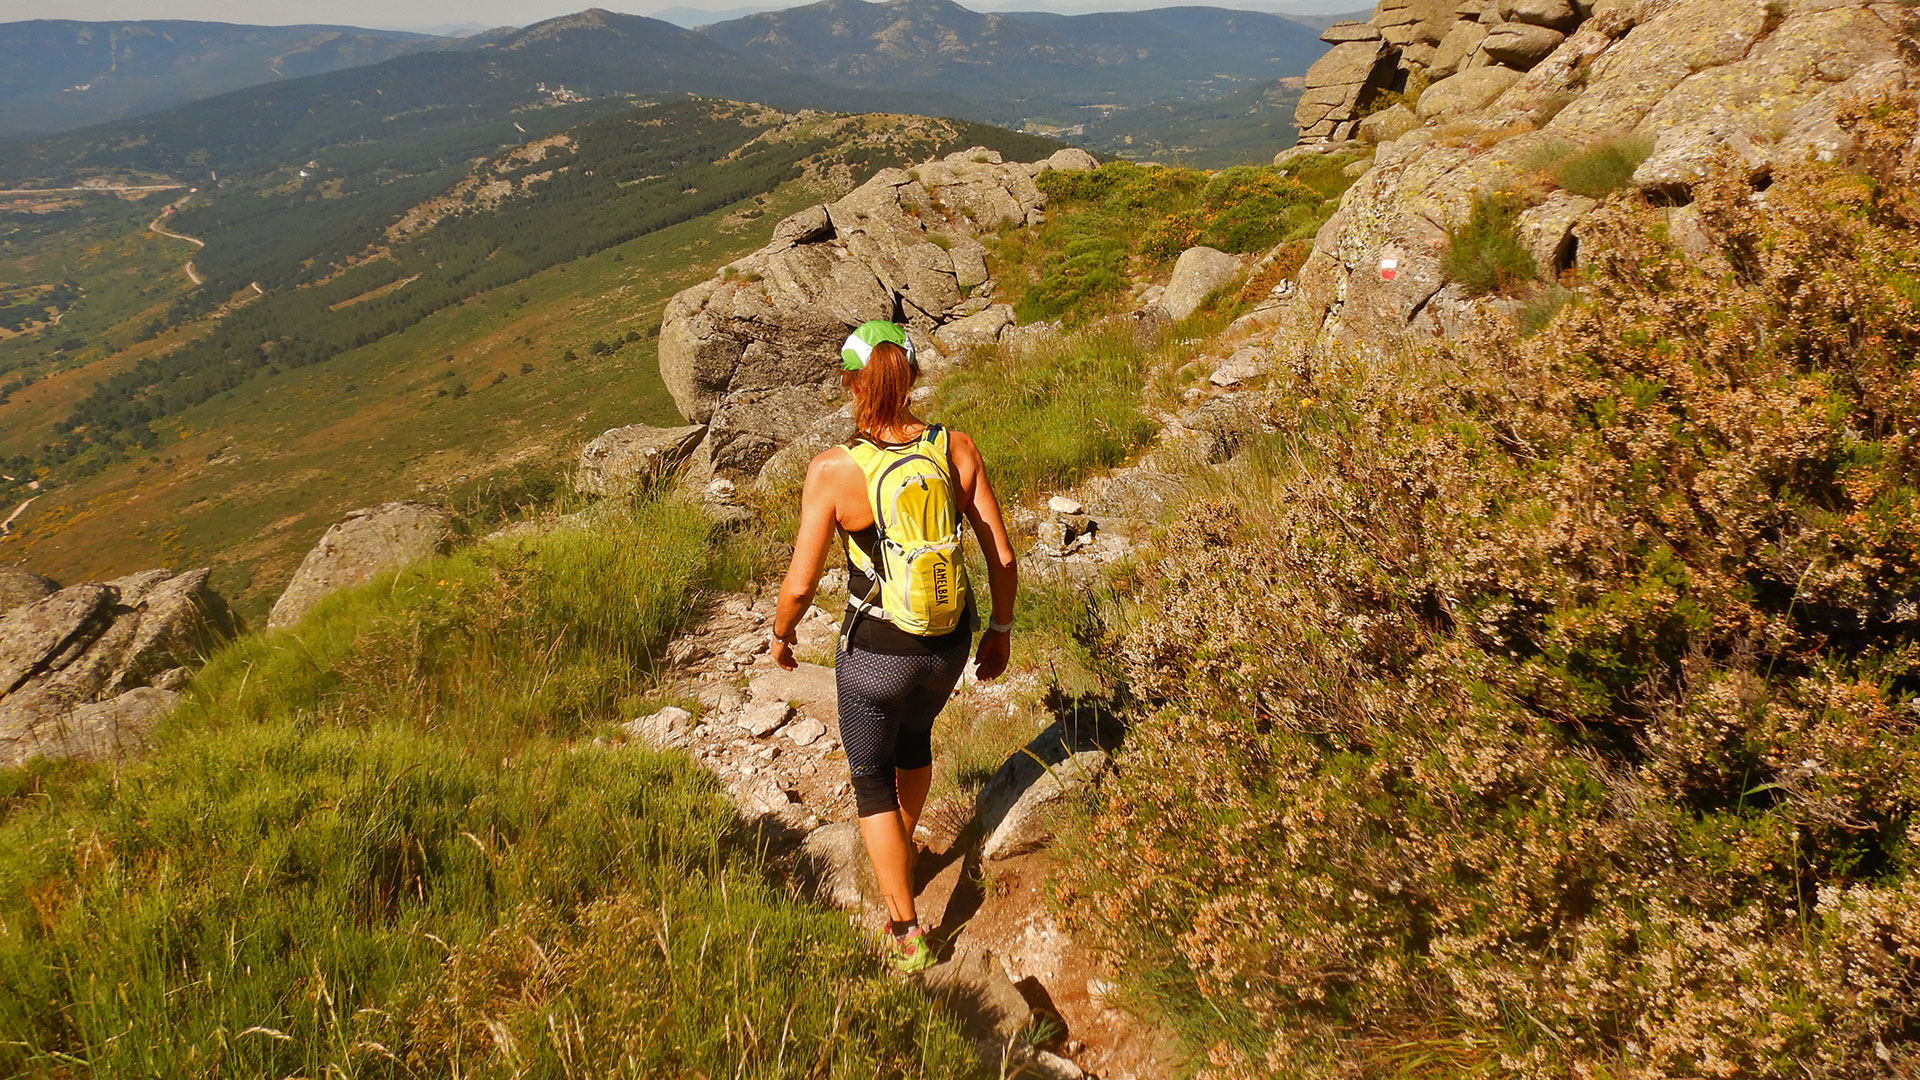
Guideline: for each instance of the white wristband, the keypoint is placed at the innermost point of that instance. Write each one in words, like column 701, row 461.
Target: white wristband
column 999, row 627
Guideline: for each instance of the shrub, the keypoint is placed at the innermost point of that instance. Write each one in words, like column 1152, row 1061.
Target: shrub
column 1542, row 309
column 1173, row 234
column 1604, row 168
column 1088, row 265
column 1485, row 254
column 1544, row 707
column 1252, row 208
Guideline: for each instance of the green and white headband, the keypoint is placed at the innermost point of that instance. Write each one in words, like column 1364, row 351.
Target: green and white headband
column 860, row 343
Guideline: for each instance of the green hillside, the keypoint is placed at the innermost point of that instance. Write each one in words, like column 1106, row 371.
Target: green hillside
column 466, row 353
column 380, row 845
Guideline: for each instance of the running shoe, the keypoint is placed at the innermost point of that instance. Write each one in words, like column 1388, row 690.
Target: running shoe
column 910, row 953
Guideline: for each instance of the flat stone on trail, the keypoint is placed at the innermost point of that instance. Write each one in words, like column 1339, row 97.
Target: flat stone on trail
column 1061, row 504
column 806, row 731
column 808, row 686
column 973, row 985
column 1246, row 363
column 765, row 718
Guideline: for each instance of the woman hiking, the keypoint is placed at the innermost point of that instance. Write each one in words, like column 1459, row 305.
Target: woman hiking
column 896, row 494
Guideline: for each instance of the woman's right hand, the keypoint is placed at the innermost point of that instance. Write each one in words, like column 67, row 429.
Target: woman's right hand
column 991, row 659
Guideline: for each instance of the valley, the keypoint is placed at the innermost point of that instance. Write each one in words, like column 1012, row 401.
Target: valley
column 458, row 349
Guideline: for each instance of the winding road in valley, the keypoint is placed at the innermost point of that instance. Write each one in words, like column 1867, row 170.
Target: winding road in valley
column 7, row 525
column 192, row 274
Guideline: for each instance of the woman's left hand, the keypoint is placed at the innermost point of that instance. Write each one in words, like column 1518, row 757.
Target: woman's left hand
column 991, row 659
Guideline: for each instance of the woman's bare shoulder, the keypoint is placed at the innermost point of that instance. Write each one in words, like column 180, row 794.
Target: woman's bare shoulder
column 829, row 463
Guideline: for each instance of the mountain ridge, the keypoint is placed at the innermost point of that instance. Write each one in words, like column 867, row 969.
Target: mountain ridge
column 64, row 73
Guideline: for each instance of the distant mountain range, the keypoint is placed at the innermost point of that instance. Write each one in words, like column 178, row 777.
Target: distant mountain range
column 307, row 85
column 59, row 74
column 423, row 112
column 1023, row 64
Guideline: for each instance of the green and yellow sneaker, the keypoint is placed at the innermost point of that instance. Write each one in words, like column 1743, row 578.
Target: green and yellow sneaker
column 910, row 953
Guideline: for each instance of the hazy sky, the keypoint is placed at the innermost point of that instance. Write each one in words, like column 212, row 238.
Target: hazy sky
column 431, row 14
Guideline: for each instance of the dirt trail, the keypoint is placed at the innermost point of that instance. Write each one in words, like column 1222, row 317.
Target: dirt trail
column 108, row 188
column 7, row 525
column 193, row 274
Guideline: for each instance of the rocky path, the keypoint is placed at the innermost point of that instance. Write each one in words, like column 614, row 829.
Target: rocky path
column 1010, row 971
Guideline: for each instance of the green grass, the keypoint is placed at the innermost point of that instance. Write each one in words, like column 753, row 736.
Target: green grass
column 376, row 844
column 1485, row 254
column 1108, row 225
column 1052, row 414
column 1596, row 171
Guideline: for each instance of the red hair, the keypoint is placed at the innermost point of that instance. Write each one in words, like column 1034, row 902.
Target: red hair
column 880, row 390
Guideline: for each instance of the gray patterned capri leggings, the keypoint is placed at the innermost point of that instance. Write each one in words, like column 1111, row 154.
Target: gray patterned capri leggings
column 887, row 707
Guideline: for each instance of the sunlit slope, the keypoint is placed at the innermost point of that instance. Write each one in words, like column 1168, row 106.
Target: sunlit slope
column 400, row 375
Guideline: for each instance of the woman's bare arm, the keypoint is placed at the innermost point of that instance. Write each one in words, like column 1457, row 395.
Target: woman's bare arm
column 818, row 512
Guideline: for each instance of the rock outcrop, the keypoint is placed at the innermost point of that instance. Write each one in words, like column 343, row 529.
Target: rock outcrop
column 1357, row 66
column 630, row 459
column 85, row 670
column 755, row 352
column 1020, row 804
column 1198, row 272
column 20, row 586
column 1509, row 84
column 362, row 544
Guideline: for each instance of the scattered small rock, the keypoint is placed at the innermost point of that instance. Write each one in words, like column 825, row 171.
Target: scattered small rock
column 1247, row 362
column 810, row 686
column 1061, row 504
column 670, row 727
column 806, row 731
column 766, row 718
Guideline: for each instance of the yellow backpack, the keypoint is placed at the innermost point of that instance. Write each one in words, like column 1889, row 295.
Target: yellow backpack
column 920, row 583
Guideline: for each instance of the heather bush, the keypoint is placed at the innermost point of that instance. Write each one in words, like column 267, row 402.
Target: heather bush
column 1547, row 706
